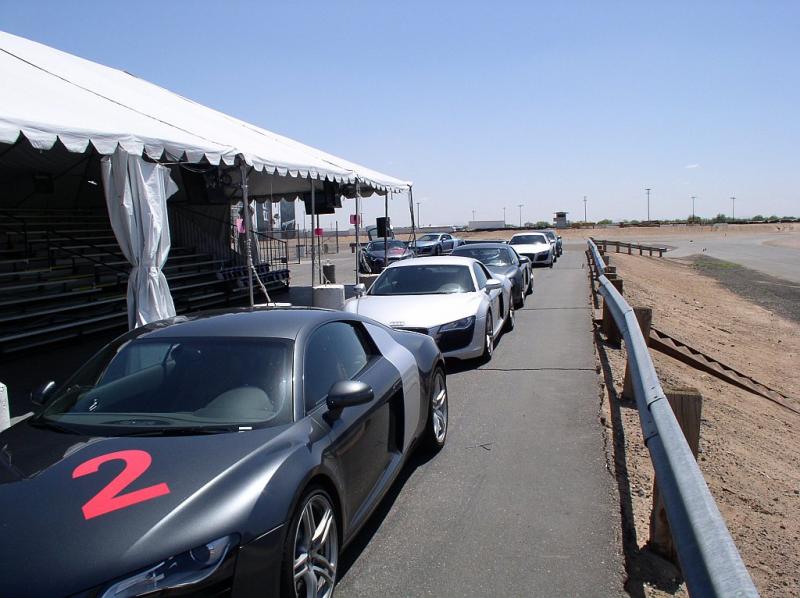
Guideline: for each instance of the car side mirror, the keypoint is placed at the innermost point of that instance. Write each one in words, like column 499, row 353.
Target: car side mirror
column 347, row 393
column 40, row 394
column 492, row 285
column 360, row 290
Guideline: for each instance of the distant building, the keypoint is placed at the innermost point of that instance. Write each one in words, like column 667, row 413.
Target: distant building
column 561, row 220
column 485, row 224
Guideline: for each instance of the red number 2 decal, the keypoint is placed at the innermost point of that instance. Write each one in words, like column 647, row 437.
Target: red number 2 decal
column 109, row 498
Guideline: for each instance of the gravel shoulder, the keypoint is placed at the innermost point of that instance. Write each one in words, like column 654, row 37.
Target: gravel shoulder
column 749, row 448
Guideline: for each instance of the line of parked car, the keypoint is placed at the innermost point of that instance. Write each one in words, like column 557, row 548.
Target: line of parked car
column 238, row 452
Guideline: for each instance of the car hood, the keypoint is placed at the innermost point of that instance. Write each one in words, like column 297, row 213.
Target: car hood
column 48, row 545
column 532, row 248
column 416, row 311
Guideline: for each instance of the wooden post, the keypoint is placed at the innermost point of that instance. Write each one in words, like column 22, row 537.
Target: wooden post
column 611, row 270
column 640, row 250
column 629, row 248
column 609, row 326
column 651, row 252
column 660, row 253
column 644, row 315
column 687, row 403
column 607, row 260
column 617, row 244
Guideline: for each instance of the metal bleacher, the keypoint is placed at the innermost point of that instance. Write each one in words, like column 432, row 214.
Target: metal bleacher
column 63, row 276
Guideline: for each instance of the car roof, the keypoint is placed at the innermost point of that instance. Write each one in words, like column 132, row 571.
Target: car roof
column 244, row 322
column 483, row 246
column 452, row 260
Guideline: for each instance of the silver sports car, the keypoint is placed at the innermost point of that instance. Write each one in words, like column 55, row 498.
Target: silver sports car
column 455, row 300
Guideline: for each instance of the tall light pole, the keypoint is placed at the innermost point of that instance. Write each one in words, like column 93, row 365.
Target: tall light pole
column 473, row 215
column 419, row 224
column 733, row 208
column 584, row 210
column 504, row 216
column 693, row 198
column 648, row 203
column 520, row 213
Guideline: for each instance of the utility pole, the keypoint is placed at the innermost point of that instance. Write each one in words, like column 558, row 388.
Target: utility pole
column 419, row 224
column 733, row 208
column 504, row 216
column 648, row 203
column 584, row 210
column 473, row 215
column 520, row 213
column 693, row 198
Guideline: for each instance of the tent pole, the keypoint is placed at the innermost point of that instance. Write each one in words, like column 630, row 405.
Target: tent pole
column 358, row 249
column 246, row 217
column 386, row 229
column 313, row 232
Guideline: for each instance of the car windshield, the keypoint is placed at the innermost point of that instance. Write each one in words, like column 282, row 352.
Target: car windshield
column 191, row 384
column 528, row 239
column 550, row 235
column 378, row 245
column 428, row 238
column 487, row 256
column 434, row 279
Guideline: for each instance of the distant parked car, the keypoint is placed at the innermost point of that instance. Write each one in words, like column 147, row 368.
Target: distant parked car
column 377, row 255
column 504, row 263
column 555, row 241
column 535, row 246
column 435, row 244
column 455, row 300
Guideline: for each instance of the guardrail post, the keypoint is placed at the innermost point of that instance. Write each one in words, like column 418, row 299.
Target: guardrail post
column 651, row 252
column 609, row 326
column 611, row 270
column 644, row 316
column 617, row 246
column 687, row 404
column 660, row 253
column 640, row 250
column 607, row 260
column 629, row 248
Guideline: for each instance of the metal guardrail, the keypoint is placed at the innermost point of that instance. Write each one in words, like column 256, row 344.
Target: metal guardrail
column 710, row 561
column 630, row 246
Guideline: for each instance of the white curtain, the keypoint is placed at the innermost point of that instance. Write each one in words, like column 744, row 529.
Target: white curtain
column 136, row 193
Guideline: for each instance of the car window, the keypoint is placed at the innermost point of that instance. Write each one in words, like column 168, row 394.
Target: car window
column 336, row 351
column 480, row 275
column 486, row 272
column 445, row 237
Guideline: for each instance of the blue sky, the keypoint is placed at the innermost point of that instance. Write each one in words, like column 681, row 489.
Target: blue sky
column 485, row 105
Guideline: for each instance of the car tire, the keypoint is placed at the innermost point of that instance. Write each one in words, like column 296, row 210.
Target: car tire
column 510, row 319
column 488, row 338
column 519, row 302
column 551, row 263
column 315, row 515
column 435, row 434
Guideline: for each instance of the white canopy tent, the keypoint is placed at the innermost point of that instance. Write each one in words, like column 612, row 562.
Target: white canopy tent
column 50, row 96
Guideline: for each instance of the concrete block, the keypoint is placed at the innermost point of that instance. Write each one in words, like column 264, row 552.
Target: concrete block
column 329, row 296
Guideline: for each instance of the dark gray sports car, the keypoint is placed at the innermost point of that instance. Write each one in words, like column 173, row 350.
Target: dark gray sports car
column 503, row 262
column 220, row 454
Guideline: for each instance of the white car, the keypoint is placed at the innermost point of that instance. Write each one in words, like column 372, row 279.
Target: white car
column 535, row 246
column 455, row 300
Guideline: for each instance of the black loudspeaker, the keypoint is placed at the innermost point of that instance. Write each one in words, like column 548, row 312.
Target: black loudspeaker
column 384, row 226
column 326, row 200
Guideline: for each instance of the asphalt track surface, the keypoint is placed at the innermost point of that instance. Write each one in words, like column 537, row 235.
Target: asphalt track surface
column 519, row 502
column 753, row 252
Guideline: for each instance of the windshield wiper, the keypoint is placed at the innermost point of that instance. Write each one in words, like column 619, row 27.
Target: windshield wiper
column 41, row 422
column 184, row 431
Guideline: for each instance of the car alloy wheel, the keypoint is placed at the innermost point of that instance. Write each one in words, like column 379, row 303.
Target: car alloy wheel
column 510, row 319
column 488, row 341
column 437, row 422
column 316, row 547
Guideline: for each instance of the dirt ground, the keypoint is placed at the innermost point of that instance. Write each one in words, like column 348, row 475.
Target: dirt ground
column 749, row 447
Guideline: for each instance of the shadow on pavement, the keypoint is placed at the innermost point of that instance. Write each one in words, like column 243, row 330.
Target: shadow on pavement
column 374, row 521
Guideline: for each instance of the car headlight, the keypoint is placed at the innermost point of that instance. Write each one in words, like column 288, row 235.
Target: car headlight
column 186, row 569
column 461, row 324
